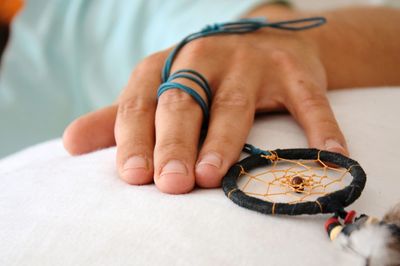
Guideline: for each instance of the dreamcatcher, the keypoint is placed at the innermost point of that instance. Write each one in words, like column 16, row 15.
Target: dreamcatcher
column 310, row 181
column 296, row 181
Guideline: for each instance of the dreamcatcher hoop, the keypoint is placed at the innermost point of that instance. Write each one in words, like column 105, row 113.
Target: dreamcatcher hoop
column 333, row 202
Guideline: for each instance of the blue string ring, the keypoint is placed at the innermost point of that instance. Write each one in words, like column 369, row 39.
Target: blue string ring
column 197, row 78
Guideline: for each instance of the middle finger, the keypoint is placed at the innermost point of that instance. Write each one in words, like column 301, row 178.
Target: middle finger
column 178, row 124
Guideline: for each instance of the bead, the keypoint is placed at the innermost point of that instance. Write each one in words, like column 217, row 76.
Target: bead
column 349, row 217
column 335, row 232
column 329, row 222
column 297, row 183
column 330, row 227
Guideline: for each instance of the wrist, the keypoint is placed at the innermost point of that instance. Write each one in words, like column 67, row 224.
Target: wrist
column 280, row 12
column 273, row 11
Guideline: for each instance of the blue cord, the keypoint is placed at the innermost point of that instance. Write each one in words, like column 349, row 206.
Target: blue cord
column 236, row 27
column 250, row 149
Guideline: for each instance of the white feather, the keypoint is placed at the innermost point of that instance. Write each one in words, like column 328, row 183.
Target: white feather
column 371, row 243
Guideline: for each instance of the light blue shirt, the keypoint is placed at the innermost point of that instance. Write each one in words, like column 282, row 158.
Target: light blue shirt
column 69, row 57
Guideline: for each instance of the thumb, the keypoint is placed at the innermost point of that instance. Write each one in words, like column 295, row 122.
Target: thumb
column 91, row 132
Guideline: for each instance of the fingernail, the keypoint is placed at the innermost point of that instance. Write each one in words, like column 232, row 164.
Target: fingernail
column 334, row 146
column 136, row 171
column 136, row 162
column 212, row 159
column 174, row 167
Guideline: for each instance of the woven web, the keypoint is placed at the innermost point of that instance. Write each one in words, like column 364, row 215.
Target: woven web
column 293, row 181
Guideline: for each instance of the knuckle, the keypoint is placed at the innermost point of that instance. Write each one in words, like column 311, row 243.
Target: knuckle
column 232, row 99
column 221, row 142
column 310, row 101
column 199, row 48
column 135, row 105
column 283, row 60
column 125, row 93
column 172, row 145
column 126, row 147
column 175, row 98
column 226, row 141
column 329, row 124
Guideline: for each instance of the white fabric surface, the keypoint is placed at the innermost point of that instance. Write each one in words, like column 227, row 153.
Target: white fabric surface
column 62, row 210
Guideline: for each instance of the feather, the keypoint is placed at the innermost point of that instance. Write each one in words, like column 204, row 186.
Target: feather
column 373, row 244
column 393, row 216
column 376, row 243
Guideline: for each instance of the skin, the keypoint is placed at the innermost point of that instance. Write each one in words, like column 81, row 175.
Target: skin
column 266, row 71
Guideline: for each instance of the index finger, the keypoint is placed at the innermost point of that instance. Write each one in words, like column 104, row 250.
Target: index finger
column 134, row 127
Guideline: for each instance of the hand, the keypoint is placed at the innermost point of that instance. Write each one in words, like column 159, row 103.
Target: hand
column 265, row 71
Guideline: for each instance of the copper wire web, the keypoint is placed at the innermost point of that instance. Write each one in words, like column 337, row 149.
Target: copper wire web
column 275, row 183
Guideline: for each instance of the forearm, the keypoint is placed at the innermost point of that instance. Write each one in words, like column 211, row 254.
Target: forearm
column 358, row 47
